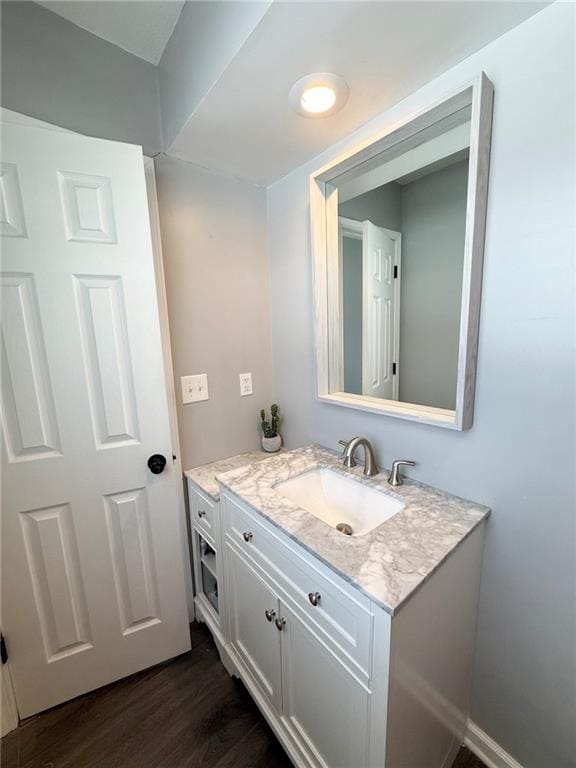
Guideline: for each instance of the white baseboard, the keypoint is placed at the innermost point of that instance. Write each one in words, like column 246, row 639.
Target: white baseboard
column 487, row 749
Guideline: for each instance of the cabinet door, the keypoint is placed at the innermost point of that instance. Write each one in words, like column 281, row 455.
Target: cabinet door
column 325, row 707
column 206, row 576
column 254, row 633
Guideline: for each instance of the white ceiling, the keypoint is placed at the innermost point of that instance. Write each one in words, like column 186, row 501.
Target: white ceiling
column 385, row 50
column 244, row 126
column 141, row 27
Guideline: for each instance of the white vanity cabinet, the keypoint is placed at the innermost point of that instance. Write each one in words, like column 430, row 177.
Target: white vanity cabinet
column 207, row 540
column 342, row 682
column 206, row 558
column 319, row 704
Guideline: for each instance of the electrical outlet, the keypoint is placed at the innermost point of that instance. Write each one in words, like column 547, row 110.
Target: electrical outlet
column 194, row 388
column 245, row 384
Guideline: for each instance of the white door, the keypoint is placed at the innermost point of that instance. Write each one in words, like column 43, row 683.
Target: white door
column 381, row 311
column 92, row 581
column 324, row 705
column 254, row 610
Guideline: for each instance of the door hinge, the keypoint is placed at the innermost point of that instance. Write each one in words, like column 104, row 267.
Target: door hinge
column 3, row 650
column 393, row 369
column 395, row 271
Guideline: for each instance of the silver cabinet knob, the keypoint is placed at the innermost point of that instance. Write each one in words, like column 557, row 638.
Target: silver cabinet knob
column 201, row 512
column 247, row 535
column 280, row 624
column 314, row 598
column 270, row 614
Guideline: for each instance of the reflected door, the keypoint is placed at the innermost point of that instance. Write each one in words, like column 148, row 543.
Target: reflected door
column 381, row 311
column 92, row 582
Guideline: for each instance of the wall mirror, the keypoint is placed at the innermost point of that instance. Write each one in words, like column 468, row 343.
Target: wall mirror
column 398, row 240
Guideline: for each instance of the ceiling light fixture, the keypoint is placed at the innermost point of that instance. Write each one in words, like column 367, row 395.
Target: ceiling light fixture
column 319, row 95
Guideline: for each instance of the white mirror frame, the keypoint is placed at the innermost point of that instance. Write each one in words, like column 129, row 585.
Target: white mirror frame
column 325, row 250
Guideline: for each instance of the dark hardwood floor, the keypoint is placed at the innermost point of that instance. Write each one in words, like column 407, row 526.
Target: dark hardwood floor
column 187, row 713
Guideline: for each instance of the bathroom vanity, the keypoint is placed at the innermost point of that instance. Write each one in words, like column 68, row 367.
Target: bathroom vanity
column 348, row 606
column 205, row 531
column 357, row 648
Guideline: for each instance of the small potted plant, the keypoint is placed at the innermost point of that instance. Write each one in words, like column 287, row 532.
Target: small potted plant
column 271, row 440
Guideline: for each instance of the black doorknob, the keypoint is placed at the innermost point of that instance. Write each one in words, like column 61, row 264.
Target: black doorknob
column 156, row 463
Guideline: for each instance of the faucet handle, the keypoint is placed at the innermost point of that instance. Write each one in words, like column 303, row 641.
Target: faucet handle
column 349, row 460
column 395, row 478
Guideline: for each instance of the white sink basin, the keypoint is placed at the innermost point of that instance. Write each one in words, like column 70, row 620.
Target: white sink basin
column 337, row 499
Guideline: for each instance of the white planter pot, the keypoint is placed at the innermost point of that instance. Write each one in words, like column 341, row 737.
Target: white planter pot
column 272, row 444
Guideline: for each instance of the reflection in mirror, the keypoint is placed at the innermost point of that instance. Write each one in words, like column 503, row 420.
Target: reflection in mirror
column 398, row 242
column 402, row 227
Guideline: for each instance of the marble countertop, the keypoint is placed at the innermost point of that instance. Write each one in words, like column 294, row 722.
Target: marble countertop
column 205, row 476
column 390, row 562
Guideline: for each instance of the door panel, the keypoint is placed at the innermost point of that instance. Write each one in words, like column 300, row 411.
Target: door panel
column 324, row 706
column 12, row 223
column 27, row 403
column 256, row 639
column 52, row 553
column 92, row 580
column 87, row 207
column 128, row 522
column 107, row 363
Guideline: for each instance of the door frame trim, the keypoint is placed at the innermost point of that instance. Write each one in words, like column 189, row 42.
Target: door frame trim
column 155, row 231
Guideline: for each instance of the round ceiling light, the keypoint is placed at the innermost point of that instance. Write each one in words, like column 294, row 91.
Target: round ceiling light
column 319, row 95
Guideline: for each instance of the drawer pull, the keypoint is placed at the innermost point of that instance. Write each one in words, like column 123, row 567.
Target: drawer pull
column 280, row 624
column 314, row 598
column 270, row 614
column 201, row 512
column 248, row 535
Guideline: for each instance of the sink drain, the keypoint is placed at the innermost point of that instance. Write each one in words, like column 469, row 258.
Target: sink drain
column 345, row 529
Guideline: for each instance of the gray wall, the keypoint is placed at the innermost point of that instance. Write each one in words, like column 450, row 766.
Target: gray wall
column 519, row 456
column 208, row 35
column 433, row 229
column 54, row 71
column 214, row 247
column 352, row 314
column 382, row 206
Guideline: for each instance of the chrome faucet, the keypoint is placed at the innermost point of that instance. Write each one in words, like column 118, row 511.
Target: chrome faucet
column 370, row 466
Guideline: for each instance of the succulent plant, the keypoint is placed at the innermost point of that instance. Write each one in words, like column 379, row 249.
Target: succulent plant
column 270, row 427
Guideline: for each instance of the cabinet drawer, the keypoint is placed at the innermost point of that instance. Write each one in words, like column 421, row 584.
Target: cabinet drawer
column 203, row 512
column 340, row 611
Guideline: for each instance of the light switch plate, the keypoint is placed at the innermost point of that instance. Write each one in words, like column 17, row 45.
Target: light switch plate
column 194, row 388
column 245, row 384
